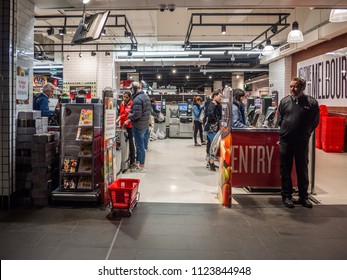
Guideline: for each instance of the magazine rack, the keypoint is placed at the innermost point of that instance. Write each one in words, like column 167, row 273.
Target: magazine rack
column 80, row 148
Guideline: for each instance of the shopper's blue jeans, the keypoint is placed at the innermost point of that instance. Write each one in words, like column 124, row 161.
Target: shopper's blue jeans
column 139, row 136
column 210, row 136
column 147, row 135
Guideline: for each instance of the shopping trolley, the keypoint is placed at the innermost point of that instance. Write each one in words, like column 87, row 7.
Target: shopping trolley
column 124, row 195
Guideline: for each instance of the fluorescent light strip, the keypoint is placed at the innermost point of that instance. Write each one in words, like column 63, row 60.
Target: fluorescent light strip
column 233, row 70
column 162, row 59
column 48, row 67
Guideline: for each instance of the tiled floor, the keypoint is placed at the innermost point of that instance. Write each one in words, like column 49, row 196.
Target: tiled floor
column 179, row 217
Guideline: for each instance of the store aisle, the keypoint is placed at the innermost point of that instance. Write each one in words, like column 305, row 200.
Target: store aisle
column 331, row 178
column 176, row 172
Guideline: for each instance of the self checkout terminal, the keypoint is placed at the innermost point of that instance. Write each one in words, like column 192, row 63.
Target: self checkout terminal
column 181, row 120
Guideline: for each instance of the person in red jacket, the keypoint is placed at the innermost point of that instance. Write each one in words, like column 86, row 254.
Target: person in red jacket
column 124, row 110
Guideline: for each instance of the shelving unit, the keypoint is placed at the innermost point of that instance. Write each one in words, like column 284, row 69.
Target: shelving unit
column 80, row 152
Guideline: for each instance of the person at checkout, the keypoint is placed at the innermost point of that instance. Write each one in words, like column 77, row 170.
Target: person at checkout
column 238, row 111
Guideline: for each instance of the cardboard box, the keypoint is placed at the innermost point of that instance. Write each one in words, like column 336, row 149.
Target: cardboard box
column 29, row 115
column 43, row 138
column 26, row 130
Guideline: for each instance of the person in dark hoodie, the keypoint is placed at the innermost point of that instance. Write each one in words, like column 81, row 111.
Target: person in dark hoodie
column 239, row 118
column 298, row 117
column 139, row 116
column 41, row 100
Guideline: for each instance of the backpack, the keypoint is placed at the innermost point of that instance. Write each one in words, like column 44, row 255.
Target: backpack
column 202, row 116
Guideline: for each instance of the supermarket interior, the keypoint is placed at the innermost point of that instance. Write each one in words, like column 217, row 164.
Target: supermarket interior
column 78, row 180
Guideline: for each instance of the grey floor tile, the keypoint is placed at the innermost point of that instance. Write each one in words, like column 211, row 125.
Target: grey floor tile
column 80, row 253
column 27, row 252
column 16, row 238
column 78, row 239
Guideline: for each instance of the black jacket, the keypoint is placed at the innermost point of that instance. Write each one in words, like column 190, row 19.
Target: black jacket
column 297, row 118
column 140, row 111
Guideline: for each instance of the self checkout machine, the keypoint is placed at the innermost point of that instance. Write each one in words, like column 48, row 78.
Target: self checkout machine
column 181, row 121
column 270, row 117
column 159, row 122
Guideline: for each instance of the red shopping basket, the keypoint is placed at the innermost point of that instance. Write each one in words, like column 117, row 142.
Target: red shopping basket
column 124, row 193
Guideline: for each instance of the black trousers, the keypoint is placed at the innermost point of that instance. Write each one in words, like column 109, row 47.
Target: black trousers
column 131, row 145
column 299, row 152
column 198, row 128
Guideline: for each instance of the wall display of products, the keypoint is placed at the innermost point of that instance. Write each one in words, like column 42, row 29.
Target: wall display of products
column 72, row 88
column 224, row 189
column 81, row 147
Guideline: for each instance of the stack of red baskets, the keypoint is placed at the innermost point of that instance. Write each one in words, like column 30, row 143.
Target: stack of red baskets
column 323, row 111
column 333, row 133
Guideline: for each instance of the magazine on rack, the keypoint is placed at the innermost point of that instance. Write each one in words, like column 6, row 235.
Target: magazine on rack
column 86, row 117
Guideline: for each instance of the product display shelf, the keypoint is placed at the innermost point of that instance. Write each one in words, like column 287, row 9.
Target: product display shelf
column 80, row 153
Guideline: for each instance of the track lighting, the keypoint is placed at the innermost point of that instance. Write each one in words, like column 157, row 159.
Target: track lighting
column 223, row 29
column 130, row 53
column 93, row 54
column 107, row 54
column 295, row 35
column 80, row 54
column 274, row 29
column 134, row 47
column 50, row 31
column 103, row 33
column 62, row 31
column 127, row 33
column 171, row 7
column 187, row 44
column 162, row 7
column 68, row 57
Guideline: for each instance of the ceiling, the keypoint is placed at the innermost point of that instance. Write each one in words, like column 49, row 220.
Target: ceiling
column 157, row 32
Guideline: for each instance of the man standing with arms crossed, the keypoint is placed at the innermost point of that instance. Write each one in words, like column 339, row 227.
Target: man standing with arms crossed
column 298, row 116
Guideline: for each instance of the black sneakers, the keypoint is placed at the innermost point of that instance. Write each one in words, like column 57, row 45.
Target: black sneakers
column 305, row 202
column 212, row 167
column 288, row 202
column 197, row 144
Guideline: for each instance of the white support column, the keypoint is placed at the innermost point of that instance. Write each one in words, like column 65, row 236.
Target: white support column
column 217, row 85
column 237, row 80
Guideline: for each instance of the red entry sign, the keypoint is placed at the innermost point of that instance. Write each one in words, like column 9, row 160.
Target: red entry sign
column 255, row 158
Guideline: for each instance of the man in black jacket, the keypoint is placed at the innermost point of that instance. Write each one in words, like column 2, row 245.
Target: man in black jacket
column 139, row 116
column 298, row 116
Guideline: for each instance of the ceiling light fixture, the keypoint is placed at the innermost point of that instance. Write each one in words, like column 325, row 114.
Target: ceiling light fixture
column 80, row 54
column 85, row 1
column 338, row 15
column 93, row 53
column 223, row 29
column 274, row 29
column 174, row 70
column 187, row 44
column 171, row 7
column 62, row 31
column 295, row 35
column 50, row 31
column 127, row 34
column 162, row 7
column 159, row 76
column 269, row 49
column 103, row 33
column 130, row 53
column 107, row 54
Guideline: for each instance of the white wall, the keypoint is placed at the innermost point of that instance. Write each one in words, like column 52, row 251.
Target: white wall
column 280, row 76
column 89, row 68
